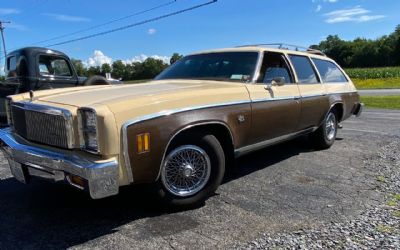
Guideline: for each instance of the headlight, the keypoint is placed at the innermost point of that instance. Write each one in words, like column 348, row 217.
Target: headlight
column 88, row 130
column 8, row 111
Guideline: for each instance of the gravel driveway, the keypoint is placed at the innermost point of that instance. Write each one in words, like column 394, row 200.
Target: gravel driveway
column 286, row 195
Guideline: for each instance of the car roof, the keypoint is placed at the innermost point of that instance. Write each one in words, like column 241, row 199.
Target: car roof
column 254, row 48
column 36, row 50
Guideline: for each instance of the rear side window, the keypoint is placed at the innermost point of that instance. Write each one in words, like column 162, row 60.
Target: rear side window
column 12, row 63
column 54, row 66
column 304, row 69
column 329, row 72
column 11, row 66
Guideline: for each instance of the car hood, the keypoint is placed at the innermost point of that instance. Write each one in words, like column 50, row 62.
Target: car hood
column 141, row 94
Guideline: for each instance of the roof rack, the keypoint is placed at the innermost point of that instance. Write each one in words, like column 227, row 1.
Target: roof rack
column 287, row 47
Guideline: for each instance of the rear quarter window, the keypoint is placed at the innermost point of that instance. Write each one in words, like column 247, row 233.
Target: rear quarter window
column 330, row 73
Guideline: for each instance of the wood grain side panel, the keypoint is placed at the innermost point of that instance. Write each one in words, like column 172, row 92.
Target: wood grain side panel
column 145, row 167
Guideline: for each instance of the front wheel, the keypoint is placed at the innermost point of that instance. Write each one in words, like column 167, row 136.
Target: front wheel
column 192, row 170
column 325, row 135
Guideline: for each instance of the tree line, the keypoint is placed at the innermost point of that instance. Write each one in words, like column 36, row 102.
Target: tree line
column 147, row 69
column 361, row 53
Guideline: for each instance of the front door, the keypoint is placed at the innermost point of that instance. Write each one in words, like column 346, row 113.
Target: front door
column 275, row 99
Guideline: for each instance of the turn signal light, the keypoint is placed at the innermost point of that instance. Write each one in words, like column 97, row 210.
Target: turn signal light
column 77, row 181
column 143, row 143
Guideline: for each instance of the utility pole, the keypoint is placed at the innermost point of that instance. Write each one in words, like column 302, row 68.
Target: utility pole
column 2, row 37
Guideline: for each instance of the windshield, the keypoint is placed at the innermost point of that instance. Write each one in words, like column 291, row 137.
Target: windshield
column 224, row 66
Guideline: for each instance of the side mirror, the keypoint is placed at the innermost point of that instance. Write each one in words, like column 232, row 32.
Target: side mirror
column 277, row 81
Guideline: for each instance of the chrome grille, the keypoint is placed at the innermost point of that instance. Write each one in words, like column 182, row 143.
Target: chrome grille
column 43, row 124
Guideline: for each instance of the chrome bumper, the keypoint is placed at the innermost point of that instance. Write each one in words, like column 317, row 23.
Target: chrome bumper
column 59, row 165
column 359, row 109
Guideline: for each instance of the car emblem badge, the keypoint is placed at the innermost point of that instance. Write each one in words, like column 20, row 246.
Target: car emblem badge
column 241, row 118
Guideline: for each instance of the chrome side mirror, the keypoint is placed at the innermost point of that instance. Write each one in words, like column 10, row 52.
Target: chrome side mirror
column 277, row 81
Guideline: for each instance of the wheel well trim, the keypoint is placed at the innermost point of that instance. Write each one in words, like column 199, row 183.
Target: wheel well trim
column 333, row 106
column 190, row 126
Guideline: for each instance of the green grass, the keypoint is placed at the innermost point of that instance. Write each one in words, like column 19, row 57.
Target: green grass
column 384, row 102
column 382, row 83
column 374, row 73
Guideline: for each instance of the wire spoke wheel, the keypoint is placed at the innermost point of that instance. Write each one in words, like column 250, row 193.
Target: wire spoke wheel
column 186, row 170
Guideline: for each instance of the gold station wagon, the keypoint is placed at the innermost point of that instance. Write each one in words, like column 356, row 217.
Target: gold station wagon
column 182, row 129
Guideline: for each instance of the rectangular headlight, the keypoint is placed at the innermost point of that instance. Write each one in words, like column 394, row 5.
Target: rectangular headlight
column 88, row 128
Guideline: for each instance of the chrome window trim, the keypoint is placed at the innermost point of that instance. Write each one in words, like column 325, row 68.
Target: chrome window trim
column 258, row 67
column 66, row 114
column 128, row 164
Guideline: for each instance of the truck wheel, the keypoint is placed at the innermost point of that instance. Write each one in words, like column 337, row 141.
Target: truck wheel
column 191, row 171
column 96, row 80
column 325, row 135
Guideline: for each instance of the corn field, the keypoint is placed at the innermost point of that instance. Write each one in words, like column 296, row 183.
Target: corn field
column 374, row 73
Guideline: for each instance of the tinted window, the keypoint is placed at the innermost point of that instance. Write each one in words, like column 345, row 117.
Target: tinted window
column 329, row 71
column 274, row 66
column 56, row 66
column 226, row 66
column 304, row 70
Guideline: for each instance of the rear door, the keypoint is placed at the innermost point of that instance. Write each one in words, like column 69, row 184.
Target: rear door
column 314, row 100
column 275, row 109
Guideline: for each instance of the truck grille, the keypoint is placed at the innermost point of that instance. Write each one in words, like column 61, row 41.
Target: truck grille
column 42, row 124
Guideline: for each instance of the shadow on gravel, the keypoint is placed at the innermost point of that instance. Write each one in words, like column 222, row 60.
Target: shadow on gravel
column 267, row 157
column 45, row 215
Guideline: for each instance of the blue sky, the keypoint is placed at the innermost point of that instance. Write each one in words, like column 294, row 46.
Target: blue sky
column 223, row 24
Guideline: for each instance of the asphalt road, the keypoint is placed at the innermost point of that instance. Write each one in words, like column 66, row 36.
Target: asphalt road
column 282, row 188
column 379, row 92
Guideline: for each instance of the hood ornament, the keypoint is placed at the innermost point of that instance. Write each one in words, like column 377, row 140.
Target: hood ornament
column 31, row 94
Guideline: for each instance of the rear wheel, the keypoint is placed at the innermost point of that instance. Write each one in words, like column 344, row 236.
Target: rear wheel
column 192, row 171
column 325, row 135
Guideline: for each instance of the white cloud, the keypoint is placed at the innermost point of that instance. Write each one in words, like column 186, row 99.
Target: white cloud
column 97, row 59
column 66, row 18
column 142, row 58
column 356, row 14
column 2, row 73
column 151, row 31
column 9, row 11
column 319, row 7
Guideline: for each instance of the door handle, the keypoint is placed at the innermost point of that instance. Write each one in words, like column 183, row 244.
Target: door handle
column 297, row 98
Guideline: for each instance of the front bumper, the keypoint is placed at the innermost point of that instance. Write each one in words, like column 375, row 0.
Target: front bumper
column 27, row 160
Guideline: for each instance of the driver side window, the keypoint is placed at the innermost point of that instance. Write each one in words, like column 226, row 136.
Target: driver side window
column 274, row 67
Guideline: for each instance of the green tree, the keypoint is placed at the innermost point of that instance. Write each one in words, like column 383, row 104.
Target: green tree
column 94, row 70
column 105, row 68
column 151, row 68
column 175, row 57
column 118, row 70
column 79, row 67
